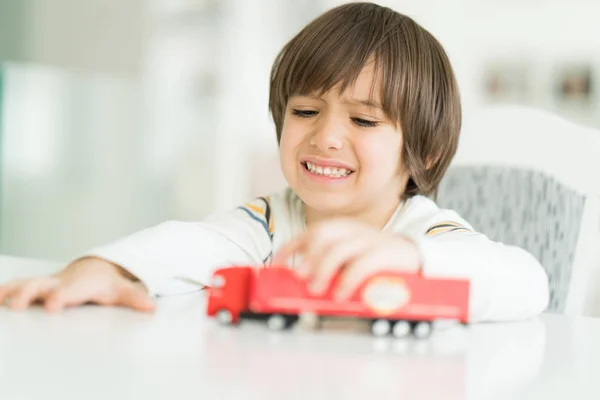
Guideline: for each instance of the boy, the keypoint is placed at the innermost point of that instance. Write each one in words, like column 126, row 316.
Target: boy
column 367, row 115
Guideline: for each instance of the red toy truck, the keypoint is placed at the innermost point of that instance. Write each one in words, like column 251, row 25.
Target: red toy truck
column 395, row 303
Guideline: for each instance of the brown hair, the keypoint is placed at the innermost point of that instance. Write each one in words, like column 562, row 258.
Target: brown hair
column 419, row 91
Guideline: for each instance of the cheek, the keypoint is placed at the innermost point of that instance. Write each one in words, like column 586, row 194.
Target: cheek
column 380, row 155
column 292, row 134
column 291, row 138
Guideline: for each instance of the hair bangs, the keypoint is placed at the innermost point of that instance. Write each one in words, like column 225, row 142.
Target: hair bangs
column 332, row 51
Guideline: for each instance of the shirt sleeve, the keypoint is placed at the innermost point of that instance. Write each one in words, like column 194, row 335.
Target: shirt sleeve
column 507, row 283
column 178, row 257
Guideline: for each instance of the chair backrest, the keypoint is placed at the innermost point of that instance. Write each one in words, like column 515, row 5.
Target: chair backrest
column 521, row 207
column 529, row 178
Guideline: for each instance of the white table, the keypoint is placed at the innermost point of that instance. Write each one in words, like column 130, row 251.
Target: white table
column 177, row 353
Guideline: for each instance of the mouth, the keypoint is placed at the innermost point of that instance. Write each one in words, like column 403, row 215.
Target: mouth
column 328, row 171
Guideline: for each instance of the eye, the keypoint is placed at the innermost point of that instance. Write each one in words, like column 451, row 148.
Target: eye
column 304, row 113
column 365, row 122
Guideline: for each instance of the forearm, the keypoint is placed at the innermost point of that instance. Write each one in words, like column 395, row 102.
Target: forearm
column 507, row 283
column 166, row 258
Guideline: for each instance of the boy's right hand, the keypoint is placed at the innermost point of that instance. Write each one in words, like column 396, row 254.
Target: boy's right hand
column 87, row 280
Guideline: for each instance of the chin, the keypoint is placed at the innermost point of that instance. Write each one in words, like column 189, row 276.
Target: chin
column 326, row 203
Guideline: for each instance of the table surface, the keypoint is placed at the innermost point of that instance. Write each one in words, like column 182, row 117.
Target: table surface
column 112, row 353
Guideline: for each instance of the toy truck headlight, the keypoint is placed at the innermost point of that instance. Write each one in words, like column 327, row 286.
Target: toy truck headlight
column 217, row 282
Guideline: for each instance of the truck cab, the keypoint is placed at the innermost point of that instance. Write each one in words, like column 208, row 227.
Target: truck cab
column 228, row 293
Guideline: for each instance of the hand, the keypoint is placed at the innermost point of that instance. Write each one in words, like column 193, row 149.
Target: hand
column 88, row 280
column 350, row 247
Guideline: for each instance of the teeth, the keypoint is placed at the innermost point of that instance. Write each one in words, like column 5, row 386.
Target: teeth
column 327, row 171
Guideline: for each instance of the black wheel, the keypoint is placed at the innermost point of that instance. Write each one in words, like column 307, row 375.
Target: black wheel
column 225, row 317
column 401, row 329
column 381, row 327
column 422, row 329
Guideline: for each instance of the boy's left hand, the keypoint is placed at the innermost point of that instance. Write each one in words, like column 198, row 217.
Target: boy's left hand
column 360, row 249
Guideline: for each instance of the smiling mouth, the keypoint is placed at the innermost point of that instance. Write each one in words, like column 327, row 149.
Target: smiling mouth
column 328, row 171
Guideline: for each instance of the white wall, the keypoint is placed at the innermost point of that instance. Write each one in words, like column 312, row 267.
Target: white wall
column 93, row 35
column 71, row 175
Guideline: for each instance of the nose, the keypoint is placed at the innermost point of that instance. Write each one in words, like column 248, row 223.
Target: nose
column 329, row 134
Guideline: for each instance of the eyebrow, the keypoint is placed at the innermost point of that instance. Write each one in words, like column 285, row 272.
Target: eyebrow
column 352, row 100
column 364, row 102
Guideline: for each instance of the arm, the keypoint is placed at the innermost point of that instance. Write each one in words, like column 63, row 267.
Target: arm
column 170, row 257
column 507, row 283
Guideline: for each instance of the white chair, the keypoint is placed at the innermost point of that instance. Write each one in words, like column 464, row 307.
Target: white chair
column 526, row 177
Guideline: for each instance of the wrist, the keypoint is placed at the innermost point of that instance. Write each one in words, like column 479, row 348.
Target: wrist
column 97, row 262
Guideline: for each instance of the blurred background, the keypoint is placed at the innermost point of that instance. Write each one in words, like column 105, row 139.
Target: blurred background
column 117, row 115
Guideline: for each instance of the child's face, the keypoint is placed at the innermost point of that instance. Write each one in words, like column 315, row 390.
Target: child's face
column 342, row 157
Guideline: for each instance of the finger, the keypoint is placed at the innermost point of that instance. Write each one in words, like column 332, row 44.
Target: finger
column 5, row 292
column 135, row 297
column 289, row 249
column 31, row 291
column 67, row 295
column 330, row 262
column 55, row 301
column 306, row 242
column 356, row 272
column 320, row 244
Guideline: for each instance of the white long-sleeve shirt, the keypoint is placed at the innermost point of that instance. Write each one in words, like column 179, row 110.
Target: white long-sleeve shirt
column 507, row 283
